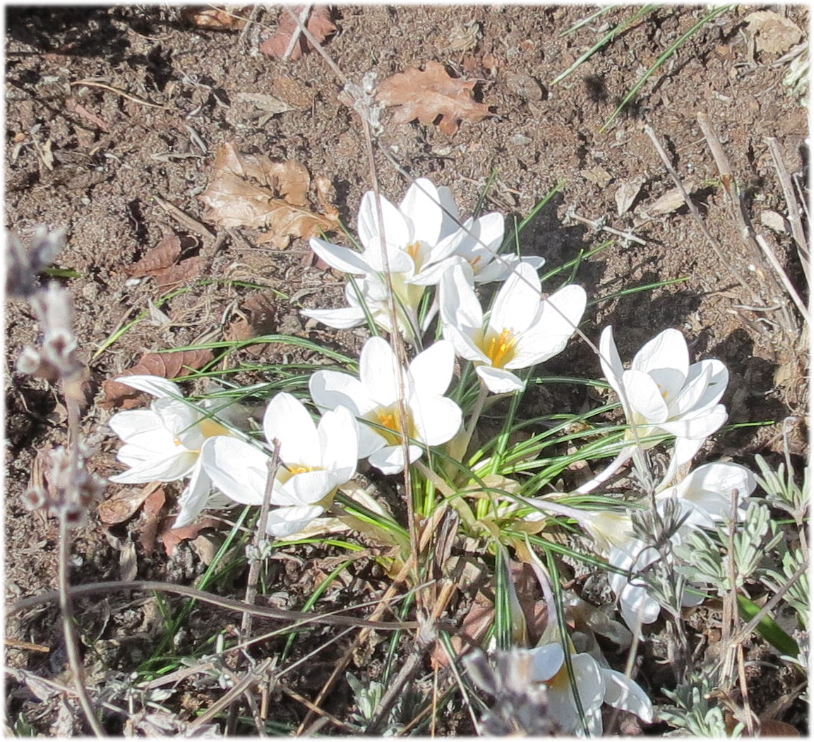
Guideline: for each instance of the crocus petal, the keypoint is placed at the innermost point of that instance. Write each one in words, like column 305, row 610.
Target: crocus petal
column 644, row 396
column 459, row 305
column 437, row 418
column 390, row 459
column 175, row 465
column 339, row 442
column 422, row 205
column 697, row 426
column 432, row 368
column 668, row 350
column 287, row 421
column 396, row 235
column 378, row 371
column 705, row 385
column 546, row 662
column 623, row 693
column 499, row 380
column 343, row 318
column 287, row 521
column 559, row 317
column 236, row 468
column 340, row 258
column 307, row 488
column 517, row 306
column 332, row 389
column 611, row 362
column 465, row 346
column 194, row 498
column 134, row 422
column 590, row 681
column 155, row 385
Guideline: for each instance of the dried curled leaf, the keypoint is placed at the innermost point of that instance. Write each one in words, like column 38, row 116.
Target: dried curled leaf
column 319, row 25
column 259, row 317
column 166, row 365
column 124, row 504
column 429, row 94
column 253, row 191
column 159, row 262
column 171, row 537
column 215, row 18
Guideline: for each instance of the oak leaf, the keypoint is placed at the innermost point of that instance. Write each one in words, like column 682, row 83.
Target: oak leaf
column 215, row 18
column 319, row 25
column 160, row 262
column 166, row 365
column 254, row 191
column 426, row 95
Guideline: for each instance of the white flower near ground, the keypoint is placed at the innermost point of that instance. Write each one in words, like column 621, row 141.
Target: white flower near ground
column 595, row 684
column 314, row 461
column 522, row 329
column 662, row 392
column 374, row 397
column 164, row 442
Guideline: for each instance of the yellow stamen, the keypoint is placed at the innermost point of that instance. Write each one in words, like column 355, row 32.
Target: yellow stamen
column 390, row 418
column 414, row 250
column 500, row 348
column 210, row 427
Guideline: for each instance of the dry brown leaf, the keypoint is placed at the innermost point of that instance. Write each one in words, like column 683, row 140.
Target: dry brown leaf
column 429, row 94
column 160, row 262
column 773, row 32
column 319, row 25
column 215, row 18
column 254, row 191
column 260, row 317
column 185, row 272
column 171, row 537
column 149, row 526
column 124, row 504
column 167, row 365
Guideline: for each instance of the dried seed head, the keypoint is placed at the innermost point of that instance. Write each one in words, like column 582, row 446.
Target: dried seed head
column 22, row 266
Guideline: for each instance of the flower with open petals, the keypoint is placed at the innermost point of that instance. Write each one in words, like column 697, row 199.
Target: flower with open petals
column 596, row 685
column 164, row 443
column 522, row 329
column 314, row 461
column 374, row 397
column 662, row 392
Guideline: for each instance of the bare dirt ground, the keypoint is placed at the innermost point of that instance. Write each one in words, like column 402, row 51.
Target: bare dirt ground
column 160, row 95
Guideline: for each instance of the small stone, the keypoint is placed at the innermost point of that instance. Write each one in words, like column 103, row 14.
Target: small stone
column 524, row 85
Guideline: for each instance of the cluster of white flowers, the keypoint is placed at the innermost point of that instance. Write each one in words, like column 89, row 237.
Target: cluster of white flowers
column 419, row 246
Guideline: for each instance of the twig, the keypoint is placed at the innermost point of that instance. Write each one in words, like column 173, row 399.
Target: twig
column 295, row 37
column 184, row 219
column 123, row 93
column 793, row 206
column 778, row 269
column 694, row 211
column 610, row 230
column 255, row 562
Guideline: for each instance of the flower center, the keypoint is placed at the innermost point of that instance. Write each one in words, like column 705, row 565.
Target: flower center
column 390, row 418
column 414, row 251
column 284, row 473
column 210, row 428
column 500, row 348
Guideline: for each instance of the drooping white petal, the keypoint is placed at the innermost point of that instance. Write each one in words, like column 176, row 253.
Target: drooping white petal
column 432, row 368
column 176, row 464
column 623, row 693
column 155, row 385
column 500, row 380
column 340, row 258
column 194, row 497
column 390, row 459
column 129, row 423
column 287, row 421
column 343, row 318
column 236, row 468
column 611, row 362
column 287, row 521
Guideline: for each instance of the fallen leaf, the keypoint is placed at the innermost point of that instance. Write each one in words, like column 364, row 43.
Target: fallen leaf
column 268, row 105
column 626, row 194
column 773, row 32
column 171, row 537
column 160, row 262
column 426, row 95
column 128, row 562
column 254, row 191
column 149, row 526
column 124, row 504
column 166, row 365
column 259, row 317
column 215, row 18
column 319, row 25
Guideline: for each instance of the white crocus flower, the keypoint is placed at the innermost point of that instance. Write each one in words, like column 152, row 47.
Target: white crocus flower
column 596, row 685
column 662, row 392
column 314, row 461
column 522, row 329
column 164, row 443
column 374, row 397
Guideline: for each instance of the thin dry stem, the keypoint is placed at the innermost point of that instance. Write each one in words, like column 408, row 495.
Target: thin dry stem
column 795, row 217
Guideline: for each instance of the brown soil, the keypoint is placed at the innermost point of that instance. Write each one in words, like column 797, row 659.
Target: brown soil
column 171, row 86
